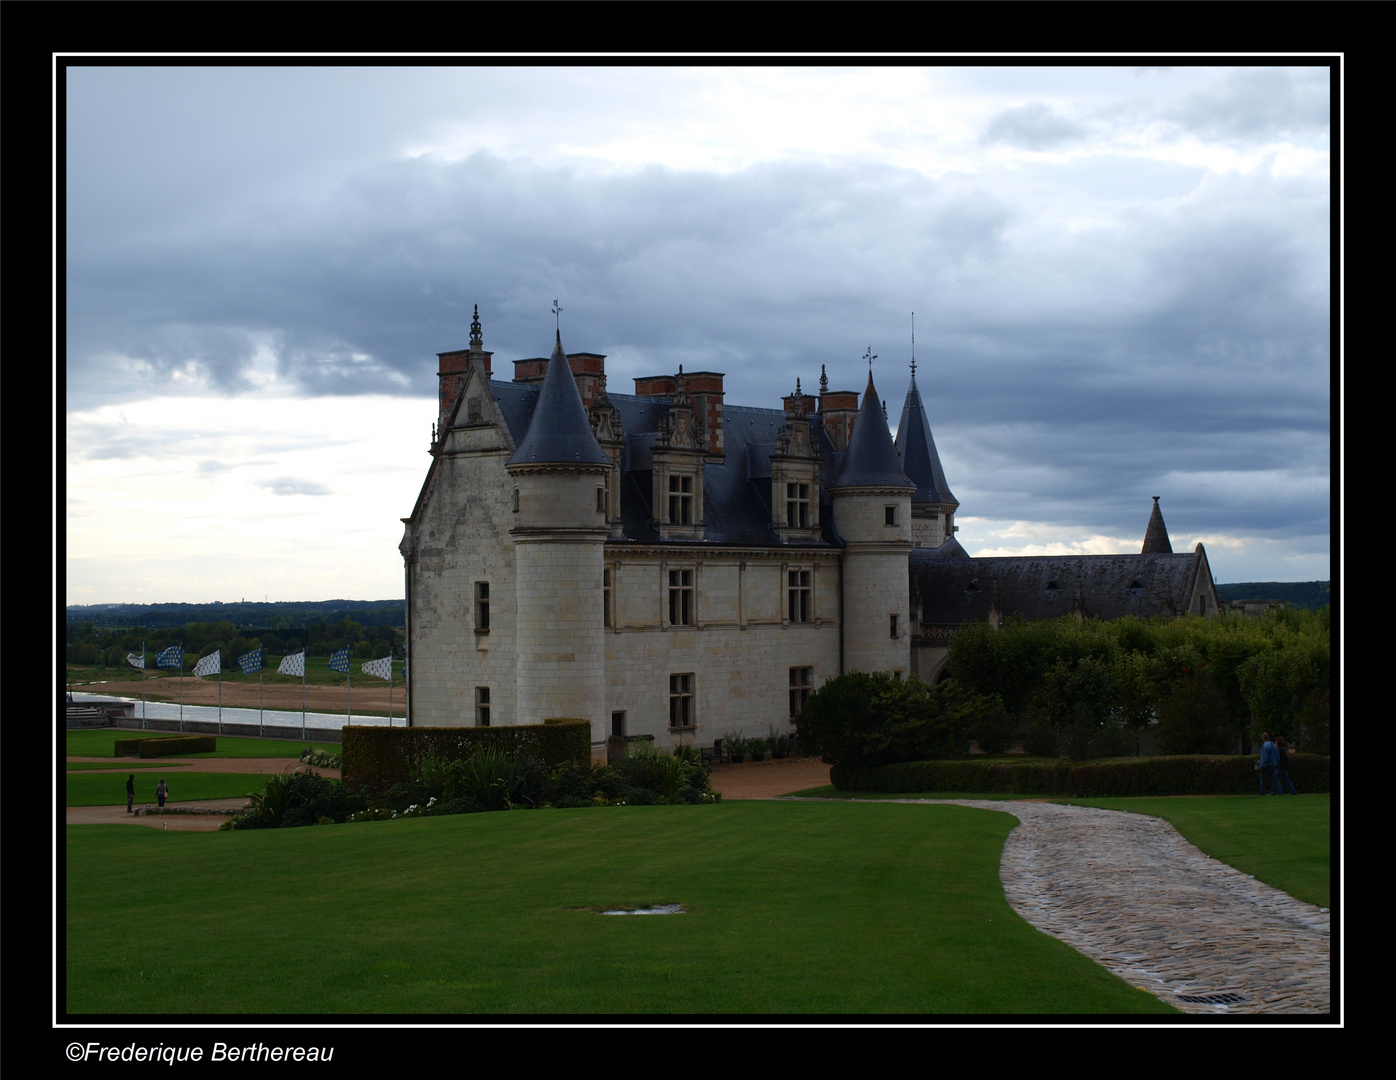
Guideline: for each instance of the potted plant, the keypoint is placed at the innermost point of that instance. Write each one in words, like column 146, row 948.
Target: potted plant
column 736, row 748
column 757, row 749
column 779, row 744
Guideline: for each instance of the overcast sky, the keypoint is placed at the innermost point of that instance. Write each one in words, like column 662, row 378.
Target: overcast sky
column 1120, row 279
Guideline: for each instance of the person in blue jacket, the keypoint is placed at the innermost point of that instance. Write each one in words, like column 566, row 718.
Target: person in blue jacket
column 1269, row 762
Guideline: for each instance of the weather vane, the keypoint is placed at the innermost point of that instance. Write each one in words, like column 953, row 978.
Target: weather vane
column 869, row 356
column 557, row 313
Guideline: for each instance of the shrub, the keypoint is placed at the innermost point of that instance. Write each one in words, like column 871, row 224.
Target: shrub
column 862, row 719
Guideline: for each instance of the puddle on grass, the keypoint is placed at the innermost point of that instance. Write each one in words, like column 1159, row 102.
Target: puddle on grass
column 657, row 909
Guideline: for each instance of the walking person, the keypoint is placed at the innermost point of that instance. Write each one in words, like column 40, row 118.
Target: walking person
column 130, row 793
column 1282, row 783
column 1269, row 762
column 161, row 790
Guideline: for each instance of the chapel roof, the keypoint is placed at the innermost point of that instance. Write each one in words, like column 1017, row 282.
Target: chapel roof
column 1045, row 586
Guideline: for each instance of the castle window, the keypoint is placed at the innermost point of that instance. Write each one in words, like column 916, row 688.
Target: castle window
column 680, row 500
column 801, row 595
column 799, row 689
column 601, row 500
column 482, row 706
column 482, row 607
column 894, row 626
column 890, row 515
column 797, row 505
column 516, row 500
column 681, row 700
column 606, row 596
column 680, row 597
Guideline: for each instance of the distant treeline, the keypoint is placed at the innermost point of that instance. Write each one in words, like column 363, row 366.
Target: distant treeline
column 243, row 615
column 1308, row 595
column 109, row 646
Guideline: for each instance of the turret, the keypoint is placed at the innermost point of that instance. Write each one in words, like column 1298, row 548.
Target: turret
column 872, row 517
column 559, row 473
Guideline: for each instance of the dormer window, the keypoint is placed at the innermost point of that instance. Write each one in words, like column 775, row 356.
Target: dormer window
column 681, row 500
column 797, row 505
column 1052, row 586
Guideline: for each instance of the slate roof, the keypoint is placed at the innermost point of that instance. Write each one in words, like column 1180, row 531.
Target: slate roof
column 871, row 460
column 736, row 490
column 917, row 451
column 558, row 429
column 962, row 590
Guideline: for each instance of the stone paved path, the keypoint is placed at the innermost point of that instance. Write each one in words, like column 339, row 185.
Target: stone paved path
column 1129, row 892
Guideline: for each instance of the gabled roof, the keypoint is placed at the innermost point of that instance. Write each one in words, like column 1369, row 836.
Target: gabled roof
column 559, row 432
column 871, row 460
column 917, row 450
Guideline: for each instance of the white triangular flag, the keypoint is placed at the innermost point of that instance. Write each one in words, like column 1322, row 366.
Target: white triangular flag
column 383, row 669
column 293, row 664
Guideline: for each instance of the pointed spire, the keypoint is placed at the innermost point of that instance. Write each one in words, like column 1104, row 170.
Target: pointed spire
column 871, row 460
column 559, row 431
column 477, row 341
column 918, row 451
column 1156, row 540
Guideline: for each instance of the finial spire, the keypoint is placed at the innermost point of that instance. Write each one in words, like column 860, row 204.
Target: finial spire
column 557, row 314
column 913, row 344
column 823, row 380
column 475, row 336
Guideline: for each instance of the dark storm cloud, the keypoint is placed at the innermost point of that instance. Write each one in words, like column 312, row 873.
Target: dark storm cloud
column 1032, row 127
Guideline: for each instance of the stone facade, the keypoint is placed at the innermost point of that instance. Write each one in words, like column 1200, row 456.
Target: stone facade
column 670, row 566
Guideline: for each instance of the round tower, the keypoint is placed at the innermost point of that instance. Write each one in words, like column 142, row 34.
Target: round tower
column 559, row 474
column 872, row 517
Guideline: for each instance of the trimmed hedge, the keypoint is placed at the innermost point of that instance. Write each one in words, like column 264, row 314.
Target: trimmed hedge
column 1192, row 774
column 379, row 757
column 175, row 744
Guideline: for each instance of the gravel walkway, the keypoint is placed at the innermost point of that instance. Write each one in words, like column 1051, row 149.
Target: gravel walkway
column 1129, row 892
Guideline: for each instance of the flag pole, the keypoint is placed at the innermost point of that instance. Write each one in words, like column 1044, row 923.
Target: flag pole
column 302, row 696
column 181, row 687
column 220, row 691
column 390, row 685
column 142, row 684
column 259, row 700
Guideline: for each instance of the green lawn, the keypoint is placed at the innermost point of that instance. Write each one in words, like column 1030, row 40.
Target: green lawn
column 1284, row 842
column 792, row 908
column 101, row 742
column 109, row 788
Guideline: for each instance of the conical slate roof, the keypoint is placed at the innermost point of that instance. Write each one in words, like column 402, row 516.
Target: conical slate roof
column 1156, row 540
column 559, row 432
column 871, row 460
column 917, row 449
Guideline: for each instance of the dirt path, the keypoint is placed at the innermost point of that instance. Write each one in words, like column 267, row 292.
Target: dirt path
column 371, row 697
column 767, row 779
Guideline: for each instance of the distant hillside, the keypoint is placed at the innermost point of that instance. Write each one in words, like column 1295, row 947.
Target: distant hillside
column 1310, row 595
column 242, row 615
